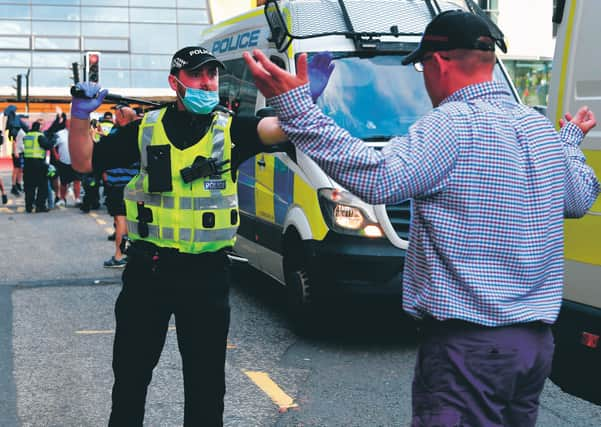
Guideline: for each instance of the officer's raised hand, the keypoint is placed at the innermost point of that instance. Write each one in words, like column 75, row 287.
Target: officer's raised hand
column 320, row 69
column 87, row 98
column 270, row 79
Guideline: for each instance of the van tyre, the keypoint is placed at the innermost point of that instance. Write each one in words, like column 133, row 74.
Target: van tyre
column 302, row 308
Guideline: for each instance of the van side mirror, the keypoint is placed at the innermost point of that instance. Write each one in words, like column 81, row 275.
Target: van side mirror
column 277, row 25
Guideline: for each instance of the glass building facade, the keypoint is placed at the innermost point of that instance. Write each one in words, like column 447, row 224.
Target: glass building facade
column 136, row 39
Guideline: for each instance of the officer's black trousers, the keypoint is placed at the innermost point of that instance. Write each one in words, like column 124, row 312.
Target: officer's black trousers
column 195, row 289
column 36, row 183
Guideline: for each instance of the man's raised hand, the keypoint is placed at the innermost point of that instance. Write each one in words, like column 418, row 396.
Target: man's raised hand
column 584, row 119
column 270, row 79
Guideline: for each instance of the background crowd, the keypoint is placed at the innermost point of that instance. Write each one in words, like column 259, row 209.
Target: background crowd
column 42, row 171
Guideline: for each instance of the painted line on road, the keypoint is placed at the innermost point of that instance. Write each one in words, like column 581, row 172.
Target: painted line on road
column 271, row 389
column 229, row 345
column 108, row 229
column 100, row 221
column 95, row 332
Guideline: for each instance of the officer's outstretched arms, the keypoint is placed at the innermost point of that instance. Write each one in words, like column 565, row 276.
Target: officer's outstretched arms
column 87, row 98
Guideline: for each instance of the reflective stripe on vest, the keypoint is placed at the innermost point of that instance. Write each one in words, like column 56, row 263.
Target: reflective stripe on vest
column 195, row 217
column 31, row 146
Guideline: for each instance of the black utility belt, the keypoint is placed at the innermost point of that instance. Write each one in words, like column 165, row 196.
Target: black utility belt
column 144, row 249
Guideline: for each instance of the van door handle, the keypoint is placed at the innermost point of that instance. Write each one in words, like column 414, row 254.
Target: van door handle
column 261, row 163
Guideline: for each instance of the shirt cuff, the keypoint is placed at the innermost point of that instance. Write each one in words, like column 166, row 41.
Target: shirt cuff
column 571, row 134
column 293, row 103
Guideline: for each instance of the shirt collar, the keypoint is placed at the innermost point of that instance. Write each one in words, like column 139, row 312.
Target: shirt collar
column 479, row 91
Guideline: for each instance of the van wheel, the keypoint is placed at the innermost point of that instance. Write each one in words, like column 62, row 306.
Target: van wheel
column 300, row 297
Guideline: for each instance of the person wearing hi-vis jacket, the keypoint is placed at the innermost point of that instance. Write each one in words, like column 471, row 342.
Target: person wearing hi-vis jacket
column 182, row 217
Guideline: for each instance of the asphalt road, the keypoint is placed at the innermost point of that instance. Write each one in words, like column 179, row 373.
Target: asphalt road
column 56, row 332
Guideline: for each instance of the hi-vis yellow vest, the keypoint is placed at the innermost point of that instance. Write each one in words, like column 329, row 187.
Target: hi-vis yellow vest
column 179, row 217
column 106, row 127
column 31, row 146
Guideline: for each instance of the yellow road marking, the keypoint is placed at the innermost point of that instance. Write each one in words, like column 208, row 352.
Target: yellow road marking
column 271, row 389
column 108, row 229
column 92, row 214
column 5, row 210
column 21, row 209
column 101, row 221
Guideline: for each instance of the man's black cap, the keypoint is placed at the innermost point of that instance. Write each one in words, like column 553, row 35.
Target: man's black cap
column 454, row 29
column 191, row 58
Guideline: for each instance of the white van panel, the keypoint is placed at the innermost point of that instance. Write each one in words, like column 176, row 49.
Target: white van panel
column 576, row 79
column 296, row 217
column 575, row 82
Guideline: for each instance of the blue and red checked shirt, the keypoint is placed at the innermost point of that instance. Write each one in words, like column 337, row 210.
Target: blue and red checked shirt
column 491, row 181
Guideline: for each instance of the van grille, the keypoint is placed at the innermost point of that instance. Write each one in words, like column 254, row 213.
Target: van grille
column 400, row 218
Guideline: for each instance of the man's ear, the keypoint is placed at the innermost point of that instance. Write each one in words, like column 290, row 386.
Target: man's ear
column 172, row 82
column 441, row 62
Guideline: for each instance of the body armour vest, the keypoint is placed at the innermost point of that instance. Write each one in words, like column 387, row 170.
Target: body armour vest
column 194, row 217
column 31, row 146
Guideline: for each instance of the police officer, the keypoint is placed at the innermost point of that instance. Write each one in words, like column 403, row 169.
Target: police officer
column 35, row 145
column 106, row 123
column 182, row 215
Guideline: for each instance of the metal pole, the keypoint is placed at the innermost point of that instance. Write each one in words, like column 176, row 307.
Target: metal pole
column 27, row 90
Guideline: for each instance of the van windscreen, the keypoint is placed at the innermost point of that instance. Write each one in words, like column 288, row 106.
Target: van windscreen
column 376, row 98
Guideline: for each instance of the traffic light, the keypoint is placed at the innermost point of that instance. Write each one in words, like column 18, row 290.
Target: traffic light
column 93, row 66
column 18, row 86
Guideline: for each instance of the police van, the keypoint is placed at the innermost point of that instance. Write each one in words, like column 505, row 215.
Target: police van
column 576, row 81
column 297, row 224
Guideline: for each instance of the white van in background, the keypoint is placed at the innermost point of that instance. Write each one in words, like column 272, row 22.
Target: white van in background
column 576, row 81
column 297, row 224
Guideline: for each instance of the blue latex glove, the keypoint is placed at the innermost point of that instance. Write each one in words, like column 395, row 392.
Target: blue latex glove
column 320, row 69
column 82, row 107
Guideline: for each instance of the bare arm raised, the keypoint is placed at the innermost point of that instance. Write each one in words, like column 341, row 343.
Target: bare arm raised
column 81, row 145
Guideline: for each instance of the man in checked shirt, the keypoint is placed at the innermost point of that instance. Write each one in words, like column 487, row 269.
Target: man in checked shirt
column 491, row 181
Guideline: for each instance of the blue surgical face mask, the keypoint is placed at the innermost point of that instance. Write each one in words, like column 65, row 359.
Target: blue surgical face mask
column 199, row 101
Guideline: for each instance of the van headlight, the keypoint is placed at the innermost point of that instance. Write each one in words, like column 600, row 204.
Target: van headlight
column 343, row 214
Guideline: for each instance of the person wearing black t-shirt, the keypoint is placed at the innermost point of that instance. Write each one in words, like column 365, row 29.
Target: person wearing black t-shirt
column 182, row 215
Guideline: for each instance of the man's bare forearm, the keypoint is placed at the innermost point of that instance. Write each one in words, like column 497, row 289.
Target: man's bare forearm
column 81, row 145
column 270, row 132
